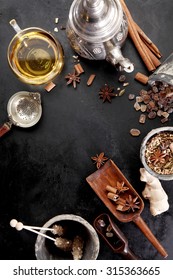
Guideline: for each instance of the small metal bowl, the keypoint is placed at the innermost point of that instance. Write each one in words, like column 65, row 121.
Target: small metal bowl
column 151, row 134
column 46, row 250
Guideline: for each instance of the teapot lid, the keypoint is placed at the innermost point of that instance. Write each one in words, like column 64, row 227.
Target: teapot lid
column 95, row 20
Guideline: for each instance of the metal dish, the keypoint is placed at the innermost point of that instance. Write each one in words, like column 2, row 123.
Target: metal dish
column 24, row 109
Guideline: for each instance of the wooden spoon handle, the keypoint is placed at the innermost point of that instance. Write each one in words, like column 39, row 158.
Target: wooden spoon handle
column 150, row 236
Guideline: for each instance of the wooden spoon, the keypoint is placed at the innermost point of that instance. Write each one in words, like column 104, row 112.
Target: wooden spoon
column 109, row 174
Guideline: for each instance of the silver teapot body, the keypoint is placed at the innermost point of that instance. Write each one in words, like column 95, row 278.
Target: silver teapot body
column 97, row 30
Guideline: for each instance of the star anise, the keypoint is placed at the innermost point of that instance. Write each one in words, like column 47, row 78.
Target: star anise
column 128, row 204
column 120, row 187
column 165, row 145
column 157, row 157
column 99, row 159
column 106, row 93
column 132, row 203
column 73, row 78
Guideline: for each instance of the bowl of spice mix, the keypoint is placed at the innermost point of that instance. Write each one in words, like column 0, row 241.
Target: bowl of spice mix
column 156, row 152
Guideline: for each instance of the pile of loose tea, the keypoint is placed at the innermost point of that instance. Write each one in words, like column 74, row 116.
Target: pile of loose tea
column 157, row 101
column 159, row 153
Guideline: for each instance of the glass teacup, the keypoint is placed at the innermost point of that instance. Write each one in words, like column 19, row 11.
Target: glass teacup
column 34, row 55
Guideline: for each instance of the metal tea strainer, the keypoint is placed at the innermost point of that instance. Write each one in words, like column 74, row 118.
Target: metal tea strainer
column 24, row 109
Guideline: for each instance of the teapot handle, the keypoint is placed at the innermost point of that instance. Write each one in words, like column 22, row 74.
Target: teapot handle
column 115, row 57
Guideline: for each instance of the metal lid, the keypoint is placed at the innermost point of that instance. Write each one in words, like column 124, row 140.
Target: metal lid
column 95, row 20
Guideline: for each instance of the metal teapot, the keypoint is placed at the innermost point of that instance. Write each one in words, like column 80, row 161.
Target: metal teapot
column 97, row 29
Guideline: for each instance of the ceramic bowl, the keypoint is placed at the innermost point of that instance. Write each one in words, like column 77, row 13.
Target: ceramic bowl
column 151, row 134
column 45, row 249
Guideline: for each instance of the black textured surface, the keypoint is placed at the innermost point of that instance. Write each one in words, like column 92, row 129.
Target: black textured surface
column 43, row 169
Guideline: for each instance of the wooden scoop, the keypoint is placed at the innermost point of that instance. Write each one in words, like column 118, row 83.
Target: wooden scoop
column 109, row 174
column 117, row 240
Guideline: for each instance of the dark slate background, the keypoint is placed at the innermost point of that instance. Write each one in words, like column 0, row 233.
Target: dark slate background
column 43, row 168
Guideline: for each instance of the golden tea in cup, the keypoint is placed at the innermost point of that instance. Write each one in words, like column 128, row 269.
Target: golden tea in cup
column 35, row 56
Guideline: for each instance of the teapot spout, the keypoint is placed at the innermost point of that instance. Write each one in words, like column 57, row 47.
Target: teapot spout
column 114, row 56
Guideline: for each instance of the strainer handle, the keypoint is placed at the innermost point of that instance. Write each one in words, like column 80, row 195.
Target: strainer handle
column 5, row 128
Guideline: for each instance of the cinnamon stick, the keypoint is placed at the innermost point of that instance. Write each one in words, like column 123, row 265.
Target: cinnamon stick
column 142, row 34
column 143, row 79
column 137, row 40
column 79, row 69
column 154, row 49
column 50, row 86
column 147, row 40
column 91, row 79
column 154, row 59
